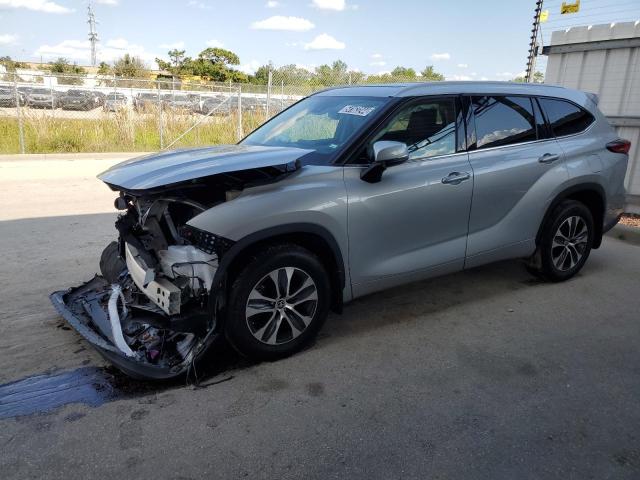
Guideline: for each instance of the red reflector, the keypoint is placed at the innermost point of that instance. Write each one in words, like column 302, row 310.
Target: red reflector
column 619, row 146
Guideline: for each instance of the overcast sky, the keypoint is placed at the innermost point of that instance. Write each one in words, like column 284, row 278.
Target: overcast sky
column 464, row 39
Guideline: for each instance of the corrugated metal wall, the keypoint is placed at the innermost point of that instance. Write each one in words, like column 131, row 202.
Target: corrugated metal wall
column 604, row 59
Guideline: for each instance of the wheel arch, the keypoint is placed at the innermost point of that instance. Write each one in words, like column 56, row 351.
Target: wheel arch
column 313, row 237
column 592, row 195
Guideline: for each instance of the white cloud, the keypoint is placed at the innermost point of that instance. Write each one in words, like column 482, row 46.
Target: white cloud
column 510, row 75
column 484, row 79
column 378, row 63
column 108, row 2
column 459, row 77
column 171, row 46
column 337, row 5
column 463, row 65
column 214, row 43
column 376, row 55
column 36, row 5
column 440, row 56
column 250, row 67
column 8, row 39
column 324, row 42
column 197, row 4
column 80, row 50
column 273, row 4
column 279, row 22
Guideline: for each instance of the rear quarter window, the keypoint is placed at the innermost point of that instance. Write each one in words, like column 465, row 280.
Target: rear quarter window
column 564, row 117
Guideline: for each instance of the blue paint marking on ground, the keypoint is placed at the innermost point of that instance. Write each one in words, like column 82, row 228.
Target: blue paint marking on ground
column 44, row 393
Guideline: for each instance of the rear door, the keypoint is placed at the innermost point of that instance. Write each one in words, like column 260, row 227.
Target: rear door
column 413, row 222
column 517, row 164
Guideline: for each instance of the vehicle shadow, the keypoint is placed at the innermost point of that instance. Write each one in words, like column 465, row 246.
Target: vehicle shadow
column 52, row 253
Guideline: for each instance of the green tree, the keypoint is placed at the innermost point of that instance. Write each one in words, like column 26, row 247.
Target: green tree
column 429, row 74
column 538, row 77
column 104, row 69
column 66, row 72
column 129, row 66
column 334, row 74
column 402, row 73
column 219, row 56
column 261, row 76
column 177, row 57
column 11, row 65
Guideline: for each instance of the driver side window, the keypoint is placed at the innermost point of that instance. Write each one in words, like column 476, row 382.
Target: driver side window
column 427, row 128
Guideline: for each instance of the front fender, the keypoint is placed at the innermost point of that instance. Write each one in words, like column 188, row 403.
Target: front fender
column 312, row 200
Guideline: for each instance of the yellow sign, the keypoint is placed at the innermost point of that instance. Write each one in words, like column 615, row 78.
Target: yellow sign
column 544, row 16
column 570, row 7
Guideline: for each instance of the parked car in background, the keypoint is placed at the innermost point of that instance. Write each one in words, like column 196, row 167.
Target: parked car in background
column 99, row 97
column 216, row 105
column 349, row 192
column 144, row 100
column 8, row 97
column 77, row 100
column 184, row 103
column 115, row 102
column 42, row 98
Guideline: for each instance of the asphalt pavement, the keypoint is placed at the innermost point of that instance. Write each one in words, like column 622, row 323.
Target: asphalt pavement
column 485, row 374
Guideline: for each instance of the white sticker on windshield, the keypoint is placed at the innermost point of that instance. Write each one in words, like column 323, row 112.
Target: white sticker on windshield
column 357, row 110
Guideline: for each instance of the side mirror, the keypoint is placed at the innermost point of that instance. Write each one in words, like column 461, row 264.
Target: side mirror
column 385, row 154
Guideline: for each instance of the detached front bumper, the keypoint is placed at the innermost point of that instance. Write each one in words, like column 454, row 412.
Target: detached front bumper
column 85, row 310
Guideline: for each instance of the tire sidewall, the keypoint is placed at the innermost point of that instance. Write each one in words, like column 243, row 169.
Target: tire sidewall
column 564, row 211
column 236, row 328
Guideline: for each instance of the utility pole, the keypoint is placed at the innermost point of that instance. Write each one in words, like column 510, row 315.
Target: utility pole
column 93, row 34
column 533, row 46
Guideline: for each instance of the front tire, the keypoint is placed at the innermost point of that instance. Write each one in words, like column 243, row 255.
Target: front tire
column 565, row 242
column 278, row 302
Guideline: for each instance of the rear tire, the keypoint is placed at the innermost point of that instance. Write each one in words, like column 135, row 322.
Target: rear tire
column 278, row 302
column 565, row 242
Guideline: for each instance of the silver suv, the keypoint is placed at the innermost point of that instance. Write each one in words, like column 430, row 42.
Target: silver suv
column 347, row 192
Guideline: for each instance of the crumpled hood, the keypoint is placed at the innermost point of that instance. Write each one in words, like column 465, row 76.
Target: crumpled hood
column 166, row 168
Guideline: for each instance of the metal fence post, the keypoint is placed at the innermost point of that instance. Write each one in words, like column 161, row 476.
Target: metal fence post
column 19, row 111
column 240, row 133
column 269, row 81
column 160, row 126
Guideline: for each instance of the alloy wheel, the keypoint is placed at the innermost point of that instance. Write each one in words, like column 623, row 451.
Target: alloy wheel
column 569, row 243
column 281, row 305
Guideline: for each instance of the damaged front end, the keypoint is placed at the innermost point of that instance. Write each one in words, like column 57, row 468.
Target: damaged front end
column 155, row 308
column 156, row 315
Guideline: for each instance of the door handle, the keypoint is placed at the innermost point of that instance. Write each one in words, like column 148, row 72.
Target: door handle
column 549, row 158
column 455, row 178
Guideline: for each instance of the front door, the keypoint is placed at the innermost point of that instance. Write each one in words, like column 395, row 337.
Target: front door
column 413, row 223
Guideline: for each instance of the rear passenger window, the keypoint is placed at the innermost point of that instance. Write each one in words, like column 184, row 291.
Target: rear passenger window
column 564, row 117
column 503, row 120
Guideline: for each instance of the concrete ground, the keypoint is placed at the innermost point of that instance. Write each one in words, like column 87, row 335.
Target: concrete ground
column 483, row 374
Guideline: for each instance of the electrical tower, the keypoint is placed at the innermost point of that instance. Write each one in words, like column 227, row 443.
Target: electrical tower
column 533, row 46
column 93, row 34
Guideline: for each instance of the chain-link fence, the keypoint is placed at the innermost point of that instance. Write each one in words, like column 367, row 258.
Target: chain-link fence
column 56, row 113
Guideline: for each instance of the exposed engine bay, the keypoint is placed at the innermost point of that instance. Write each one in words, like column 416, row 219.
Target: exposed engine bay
column 152, row 302
column 154, row 308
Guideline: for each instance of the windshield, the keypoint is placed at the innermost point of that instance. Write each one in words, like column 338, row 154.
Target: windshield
column 324, row 124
